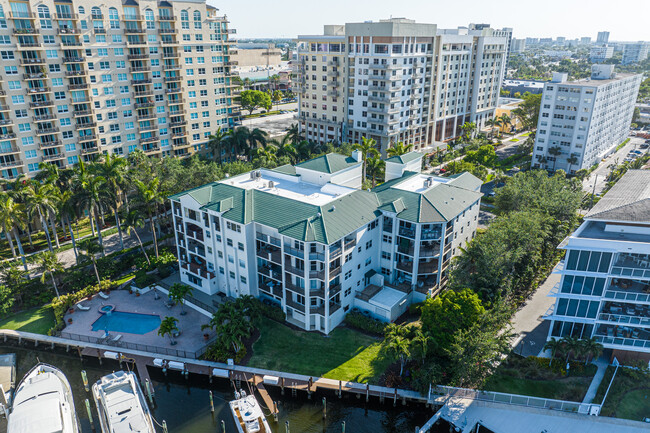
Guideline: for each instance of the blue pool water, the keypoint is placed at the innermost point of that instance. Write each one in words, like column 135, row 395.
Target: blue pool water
column 131, row 323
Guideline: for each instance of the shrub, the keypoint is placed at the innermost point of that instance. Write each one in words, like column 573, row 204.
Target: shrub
column 415, row 308
column 272, row 312
column 365, row 323
column 142, row 279
column 62, row 304
column 220, row 353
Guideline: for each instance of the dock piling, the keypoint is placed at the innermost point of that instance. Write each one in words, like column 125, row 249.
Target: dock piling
column 90, row 414
column 286, row 425
column 164, row 426
column 340, row 389
column 223, row 426
column 324, row 408
column 275, row 412
column 343, row 427
column 84, row 377
column 149, row 388
column 367, row 392
column 211, row 403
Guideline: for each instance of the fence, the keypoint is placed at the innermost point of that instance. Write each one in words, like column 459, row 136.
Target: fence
column 514, row 399
column 141, row 347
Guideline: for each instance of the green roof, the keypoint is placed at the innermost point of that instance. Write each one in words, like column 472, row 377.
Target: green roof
column 330, row 163
column 336, row 219
column 285, row 169
column 406, row 158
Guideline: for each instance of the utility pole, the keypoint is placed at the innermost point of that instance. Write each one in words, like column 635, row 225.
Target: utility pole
column 593, row 192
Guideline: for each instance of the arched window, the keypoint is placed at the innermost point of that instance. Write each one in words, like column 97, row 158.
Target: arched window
column 148, row 16
column 185, row 20
column 197, row 19
column 96, row 12
column 184, row 16
column 82, row 10
column 45, row 17
column 114, row 18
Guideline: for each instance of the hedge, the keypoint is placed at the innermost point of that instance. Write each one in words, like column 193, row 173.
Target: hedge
column 61, row 305
column 364, row 323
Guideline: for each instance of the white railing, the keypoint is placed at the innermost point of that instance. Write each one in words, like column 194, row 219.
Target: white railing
column 619, row 295
column 513, row 399
column 622, row 342
column 618, row 318
column 638, row 272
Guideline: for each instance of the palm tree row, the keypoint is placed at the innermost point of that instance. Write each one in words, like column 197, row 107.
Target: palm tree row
column 573, row 348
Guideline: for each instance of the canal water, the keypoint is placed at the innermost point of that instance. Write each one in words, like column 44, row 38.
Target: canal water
column 184, row 403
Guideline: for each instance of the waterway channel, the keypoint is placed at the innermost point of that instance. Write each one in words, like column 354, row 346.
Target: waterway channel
column 184, row 403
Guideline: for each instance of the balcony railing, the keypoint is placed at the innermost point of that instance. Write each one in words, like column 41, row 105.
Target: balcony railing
column 624, row 319
column 38, row 104
column 406, row 232
column 317, row 256
column 620, row 295
column 624, row 343
column 294, row 252
column 32, row 61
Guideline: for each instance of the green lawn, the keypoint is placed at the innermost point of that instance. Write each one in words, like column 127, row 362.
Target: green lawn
column 344, row 354
column 629, row 396
column 38, row 320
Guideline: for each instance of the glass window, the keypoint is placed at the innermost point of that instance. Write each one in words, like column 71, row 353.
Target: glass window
column 593, row 262
column 604, row 262
column 562, row 306
column 572, row 261
column 599, row 286
column 583, row 260
column 593, row 311
column 572, row 308
column 582, row 308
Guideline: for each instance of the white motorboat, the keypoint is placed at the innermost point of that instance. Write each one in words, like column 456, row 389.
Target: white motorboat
column 43, row 403
column 121, row 404
column 248, row 414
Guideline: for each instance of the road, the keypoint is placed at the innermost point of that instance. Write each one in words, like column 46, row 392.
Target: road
column 599, row 175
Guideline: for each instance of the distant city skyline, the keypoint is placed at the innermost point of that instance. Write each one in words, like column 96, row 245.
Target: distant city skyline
column 553, row 18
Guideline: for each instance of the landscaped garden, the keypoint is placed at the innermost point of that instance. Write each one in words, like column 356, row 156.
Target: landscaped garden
column 534, row 377
column 38, row 320
column 629, row 396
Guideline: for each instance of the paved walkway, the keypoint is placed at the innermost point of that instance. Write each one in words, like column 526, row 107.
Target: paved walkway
column 602, row 364
column 599, row 175
column 528, row 323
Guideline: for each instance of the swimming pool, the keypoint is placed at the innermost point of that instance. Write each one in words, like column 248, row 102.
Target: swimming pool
column 130, row 323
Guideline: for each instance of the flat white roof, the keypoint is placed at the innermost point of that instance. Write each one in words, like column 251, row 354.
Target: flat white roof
column 387, row 298
column 290, row 187
column 416, row 183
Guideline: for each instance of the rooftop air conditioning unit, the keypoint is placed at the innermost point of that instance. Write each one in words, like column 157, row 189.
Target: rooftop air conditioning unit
column 252, row 175
column 258, row 174
column 271, row 184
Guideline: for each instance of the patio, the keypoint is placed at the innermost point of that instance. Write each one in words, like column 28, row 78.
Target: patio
column 191, row 337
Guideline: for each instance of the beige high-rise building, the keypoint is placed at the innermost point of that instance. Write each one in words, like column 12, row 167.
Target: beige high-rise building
column 79, row 78
column 397, row 80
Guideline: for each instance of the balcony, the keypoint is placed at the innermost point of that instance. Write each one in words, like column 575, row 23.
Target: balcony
column 73, row 60
column 27, row 45
column 198, row 270
column 335, row 271
column 335, row 252
column 97, row 16
column 271, row 272
column 407, row 232
column 4, row 108
column 294, row 252
column 134, row 31
column 320, row 275
column 166, row 18
column 35, row 76
column 9, row 136
column 174, row 90
column 317, row 256
column 47, row 131
column 53, row 156
column 87, row 150
column 168, row 31
column 48, row 144
column 21, row 15
column 146, row 116
column 75, row 73
column 170, row 54
column 8, row 151
column 142, row 81
column 270, row 253
column 632, row 265
column 38, row 104
column 66, row 16
column 8, row 164
column 5, row 122
column 150, row 139
column 425, row 267
column 144, row 105
column 172, row 79
column 35, row 90
column 99, row 30
column 32, row 61
column 85, row 125
column 71, row 44
column 86, row 138
column 82, row 113
column 405, row 265
column 378, row 88
column 136, row 43
column 143, row 93
column 430, row 250
column 295, row 305
column 26, row 31
column 140, row 69
column 295, row 271
column 137, row 56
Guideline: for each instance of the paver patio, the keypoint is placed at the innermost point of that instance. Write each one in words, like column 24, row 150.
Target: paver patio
column 191, row 338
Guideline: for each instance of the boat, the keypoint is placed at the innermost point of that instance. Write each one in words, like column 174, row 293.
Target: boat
column 248, row 414
column 121, row 404
column 7, row 381
column 43, row 403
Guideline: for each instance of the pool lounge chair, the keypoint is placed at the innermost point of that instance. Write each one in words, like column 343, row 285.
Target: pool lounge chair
column 116, row 339
column 103, row 295
column 82, row 308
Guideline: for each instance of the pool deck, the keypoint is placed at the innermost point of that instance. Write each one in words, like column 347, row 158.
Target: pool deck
column 191, row 338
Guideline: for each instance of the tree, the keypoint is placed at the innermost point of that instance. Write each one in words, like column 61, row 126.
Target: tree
column 67, row 208
column 40, row 201
column 367, row 148
column 91, row 248
column 151, row 197
column 168, row 327
column 6, row 300
column 252, row 99
column 555, row 346
column 452, row 310
column 277, row 97
column 268, row 156
column 555, row 151
column 506, row 122
column 48, row 263
column 573, row 159
column 91, row 195
column 132, row 222
column 398, row 149
column 294, row 133
column 217, row 143
column 468, row 129
column 591, row 348
column 570, row 346
column 528, row 111
column 485, row 155
column 398, row 348
column 178, row 292
column 113, row 170
column 375, row 167
column 12, row 216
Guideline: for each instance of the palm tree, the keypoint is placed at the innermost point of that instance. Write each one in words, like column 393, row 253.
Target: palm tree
column 91, row 195
column 303, row 150
column 555, row 151
column 151, row 197
column 178, row 292
column 571, row 345
column 67, row 208
column 12, row 216
column 506, row 122
column 113, row 170
column 490, row 123
column 591, row 348
column 573, row 159
column 40, row 200
column 420, row 344
column 91, row 248
column 398, row 348
column 367, row 148
column 268, row 156
column 168, row 327
column 132, row 222
column 398, row 149
column 48, row 262
column 555, row 346
column 468, row 129
column 294, row 133
column 375, row 167
column 497, row 123
column 217, row 143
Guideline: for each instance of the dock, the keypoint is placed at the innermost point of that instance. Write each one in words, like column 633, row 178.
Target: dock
column 7, row 380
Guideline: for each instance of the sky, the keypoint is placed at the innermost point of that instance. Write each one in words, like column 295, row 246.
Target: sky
column 626, row 20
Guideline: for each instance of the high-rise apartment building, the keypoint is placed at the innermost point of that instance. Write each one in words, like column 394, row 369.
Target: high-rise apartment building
column 396, row 80
column 518, row 45
column 582, row 121
column 586, row 40
column 309, row 239
column 604, row 292
column 79, row 79
column 635, row 53
column 600, row 53
column 602, row 38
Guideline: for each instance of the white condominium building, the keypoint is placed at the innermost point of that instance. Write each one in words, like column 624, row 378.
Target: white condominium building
column 635, row 53
column 605, row 287
column 602, row 38
column 582, row 121
column 600, row 53
column 78, row 79
column 307, row 238
column 397, row 80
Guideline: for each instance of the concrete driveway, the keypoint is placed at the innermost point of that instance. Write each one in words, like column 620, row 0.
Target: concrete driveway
column 599, row 175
